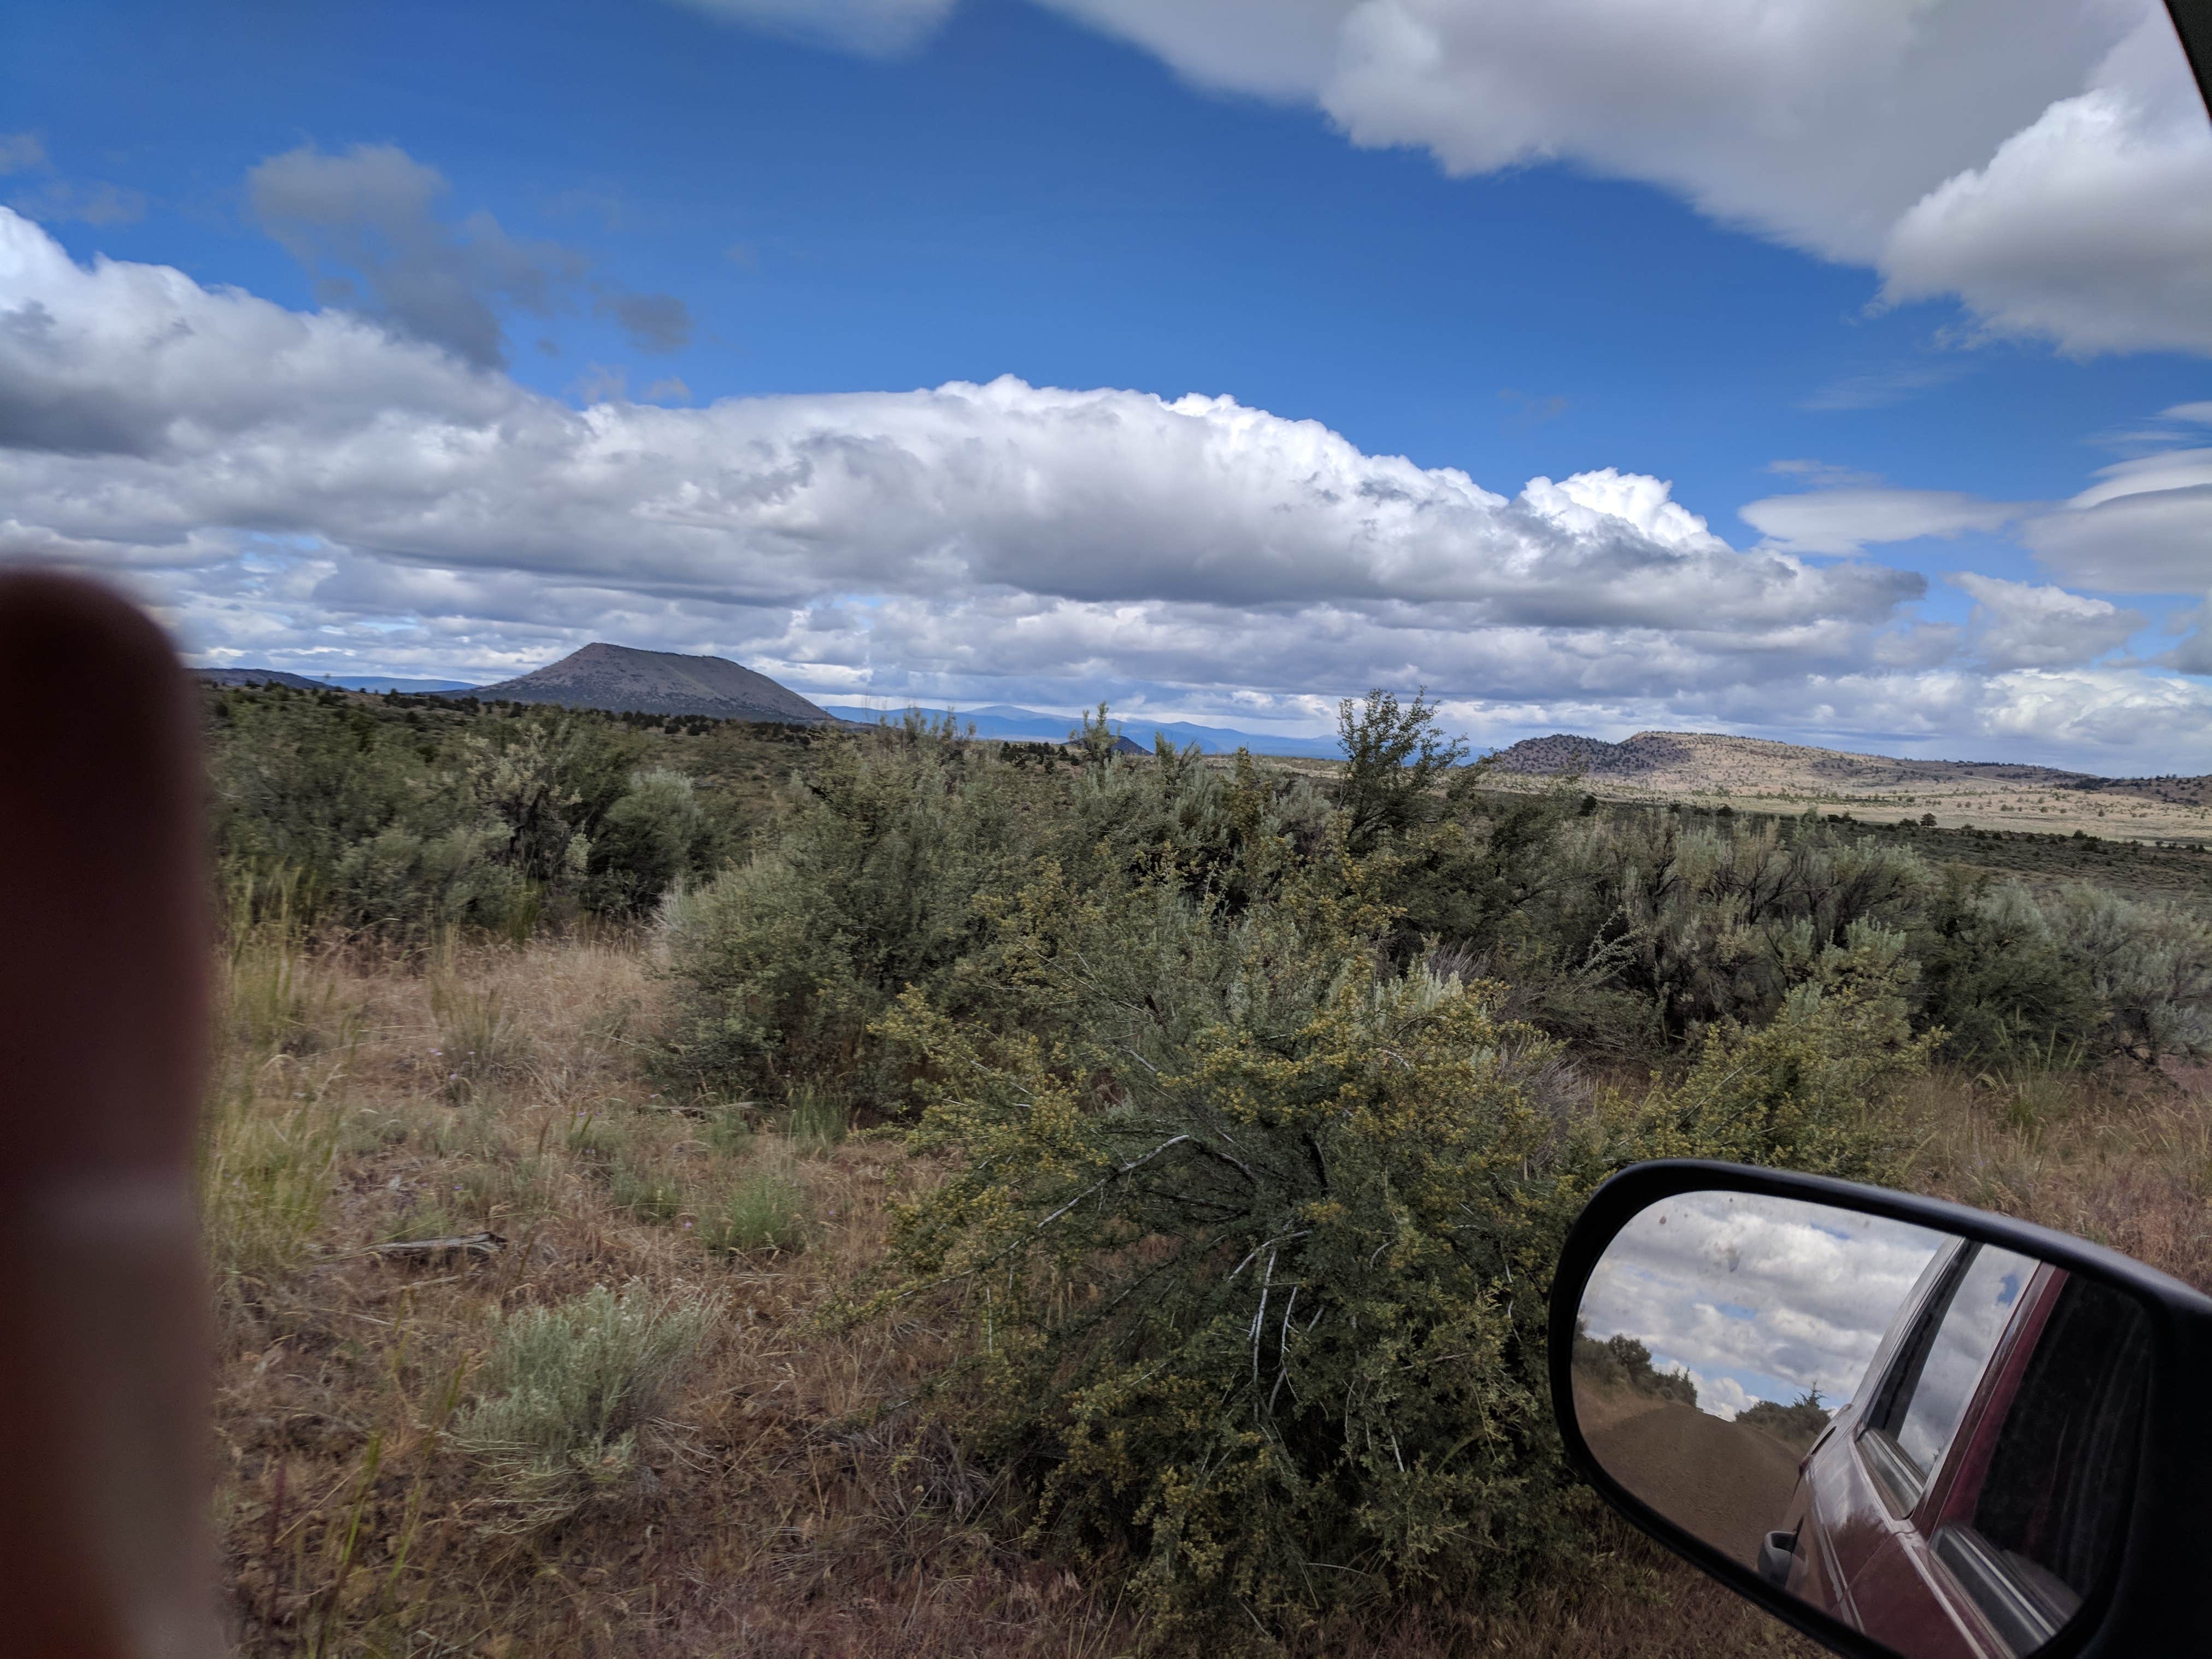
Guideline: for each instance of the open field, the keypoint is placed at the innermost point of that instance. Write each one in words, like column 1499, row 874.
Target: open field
column 768, row 1504
column 2158, row 825
column 2039, row 859
column 565, row 1068
column 2017, row 847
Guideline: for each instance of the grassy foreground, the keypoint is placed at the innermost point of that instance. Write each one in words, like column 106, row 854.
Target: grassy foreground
column 451, row 1451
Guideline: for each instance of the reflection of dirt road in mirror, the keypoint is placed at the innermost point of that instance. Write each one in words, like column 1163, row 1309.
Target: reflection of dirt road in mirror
column 1728, row 1486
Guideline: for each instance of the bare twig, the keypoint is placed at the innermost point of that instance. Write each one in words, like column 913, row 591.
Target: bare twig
column 481, row 1246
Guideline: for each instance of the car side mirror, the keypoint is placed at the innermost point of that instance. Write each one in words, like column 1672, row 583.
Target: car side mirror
column 1905, row 1427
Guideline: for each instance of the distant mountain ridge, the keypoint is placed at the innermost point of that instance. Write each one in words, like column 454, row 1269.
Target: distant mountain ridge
column 1007, row 723
column 257, row 677
column 329, row 681
column 627, row 681
column 385, row 683
column 623, row 679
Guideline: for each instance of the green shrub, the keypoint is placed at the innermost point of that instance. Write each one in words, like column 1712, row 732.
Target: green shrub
column 1999, row 983
column 1272, row 1322
column 871, row 885
column 2149, row 966
column 1818, row 1087
column 369, row 819
column 1709, row 922
column 1796, row 1425
column 1394, row 756
column 650, row 840
column 765, row 1210
column 566, row 1391
column 895, row 867
column 2019, row 981
column 1255, row 1249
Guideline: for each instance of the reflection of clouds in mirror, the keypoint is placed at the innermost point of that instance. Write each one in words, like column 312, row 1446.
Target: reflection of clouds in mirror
column 1756, row 1298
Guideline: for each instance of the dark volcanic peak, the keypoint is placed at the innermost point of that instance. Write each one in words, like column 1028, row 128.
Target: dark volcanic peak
column 628, row 682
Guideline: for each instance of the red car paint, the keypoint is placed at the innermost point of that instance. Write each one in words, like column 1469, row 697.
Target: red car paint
column 1899, row 1550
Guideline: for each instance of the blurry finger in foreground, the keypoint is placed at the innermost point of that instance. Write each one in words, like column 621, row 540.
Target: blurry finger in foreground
column 103, row 1356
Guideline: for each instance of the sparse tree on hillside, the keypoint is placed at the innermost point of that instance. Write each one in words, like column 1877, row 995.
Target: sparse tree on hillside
column 1098, row 738
column 1394, row 756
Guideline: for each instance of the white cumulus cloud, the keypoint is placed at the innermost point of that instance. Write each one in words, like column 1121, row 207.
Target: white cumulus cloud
column 2046, row 161
column 2091, row 226
column 141, row 409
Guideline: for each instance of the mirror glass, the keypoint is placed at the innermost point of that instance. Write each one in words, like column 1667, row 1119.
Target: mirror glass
column 1930, row 1439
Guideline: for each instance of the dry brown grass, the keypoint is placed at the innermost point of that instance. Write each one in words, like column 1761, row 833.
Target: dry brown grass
column 775, row 1507
column 768, row 1515
column 2124, row 1159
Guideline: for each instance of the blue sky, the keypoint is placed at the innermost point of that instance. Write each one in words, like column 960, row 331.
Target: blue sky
column 1795, row 271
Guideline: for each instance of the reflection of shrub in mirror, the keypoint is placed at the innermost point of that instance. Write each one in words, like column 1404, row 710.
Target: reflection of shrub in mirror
column 1796, row 1425
column 1622, row 1361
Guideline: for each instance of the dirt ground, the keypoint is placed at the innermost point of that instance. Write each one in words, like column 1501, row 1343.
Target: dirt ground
column 1727, row 1485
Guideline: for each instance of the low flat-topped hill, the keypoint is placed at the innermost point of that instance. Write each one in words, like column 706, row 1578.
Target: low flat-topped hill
column 1690, row 759
column 1761, row 773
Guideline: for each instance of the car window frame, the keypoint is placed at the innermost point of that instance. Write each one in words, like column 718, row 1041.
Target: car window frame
column 1905, row 1485
column 1953, row 1506
column 1900, row 1481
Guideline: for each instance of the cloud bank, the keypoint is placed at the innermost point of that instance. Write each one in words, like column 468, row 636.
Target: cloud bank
column 325, row 487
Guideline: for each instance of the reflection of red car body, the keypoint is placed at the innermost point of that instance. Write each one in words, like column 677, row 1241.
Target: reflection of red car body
column 1970, row 1497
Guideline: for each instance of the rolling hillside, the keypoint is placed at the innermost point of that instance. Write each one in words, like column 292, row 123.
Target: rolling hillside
column 1758, row 774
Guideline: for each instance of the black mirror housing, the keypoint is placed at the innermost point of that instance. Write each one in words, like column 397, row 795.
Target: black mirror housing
column 2151, row 1599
